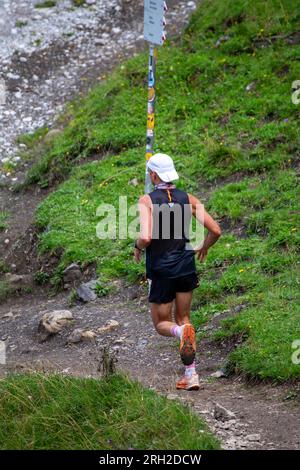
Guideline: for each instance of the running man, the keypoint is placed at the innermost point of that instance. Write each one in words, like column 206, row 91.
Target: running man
column 165, row 216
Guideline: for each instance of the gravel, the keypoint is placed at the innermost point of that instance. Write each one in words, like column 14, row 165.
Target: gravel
column 49, row 55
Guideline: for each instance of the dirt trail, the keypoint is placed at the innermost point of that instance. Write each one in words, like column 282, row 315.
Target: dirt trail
column 267, row 417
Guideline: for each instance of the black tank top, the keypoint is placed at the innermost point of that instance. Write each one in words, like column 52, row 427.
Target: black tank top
column 169, row 254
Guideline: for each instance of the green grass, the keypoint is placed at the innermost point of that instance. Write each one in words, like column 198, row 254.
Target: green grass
column 21, row 24
column 45, row 4
column 5, row 288
column 56, row 412
column 3, row 218
column 31, row 140
column 226, row 116
column 78, row 3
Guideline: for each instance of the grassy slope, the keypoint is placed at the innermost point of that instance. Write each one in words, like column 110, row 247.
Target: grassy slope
column 225, row 114
column 55, row 412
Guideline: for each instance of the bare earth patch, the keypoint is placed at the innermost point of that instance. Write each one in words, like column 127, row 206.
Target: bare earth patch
column 266, row 416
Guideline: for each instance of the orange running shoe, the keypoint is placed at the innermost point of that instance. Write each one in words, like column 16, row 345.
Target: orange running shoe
column 187, row 347
column 188, row 383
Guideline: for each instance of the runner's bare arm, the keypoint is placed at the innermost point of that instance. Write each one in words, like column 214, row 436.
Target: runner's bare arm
column 144, row 239
column 214, row 230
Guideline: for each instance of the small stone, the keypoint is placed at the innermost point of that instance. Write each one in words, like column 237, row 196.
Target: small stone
column 134, row 182
column 81, row 335
column 75, row 336
column 13, row 76
column 253, row 437
column 250, row 86
column 171, row 396
column 222, row 414
column 99, row 42
column 218, row 374
column 119, row 341
column 222, row 39
column 8, row 315
column 110, row 325
column 88, row 335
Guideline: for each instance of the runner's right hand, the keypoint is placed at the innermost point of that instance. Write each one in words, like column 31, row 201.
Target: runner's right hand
column 201, row 254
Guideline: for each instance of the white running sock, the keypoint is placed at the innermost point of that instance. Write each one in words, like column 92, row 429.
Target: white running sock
column 190, row 370
column 177, row 330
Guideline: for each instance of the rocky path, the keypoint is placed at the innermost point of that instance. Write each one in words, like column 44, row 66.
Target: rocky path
column 258, row 416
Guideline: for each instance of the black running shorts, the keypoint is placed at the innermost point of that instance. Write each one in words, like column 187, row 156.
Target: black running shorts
column 163, row 291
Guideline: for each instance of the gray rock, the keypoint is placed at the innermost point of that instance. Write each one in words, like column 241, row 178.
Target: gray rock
column 81, row 335
column 72, row 273
column 86, row 294
column 222, row 414
column 91, row 284
column 75, row 336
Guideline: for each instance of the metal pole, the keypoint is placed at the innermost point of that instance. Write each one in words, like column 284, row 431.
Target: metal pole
column 150, row 111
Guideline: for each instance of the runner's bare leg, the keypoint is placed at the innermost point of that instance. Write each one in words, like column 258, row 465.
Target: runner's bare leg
column 183, row 307
column 162, row 318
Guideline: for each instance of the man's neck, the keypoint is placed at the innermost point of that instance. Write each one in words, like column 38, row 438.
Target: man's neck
column 163, row 185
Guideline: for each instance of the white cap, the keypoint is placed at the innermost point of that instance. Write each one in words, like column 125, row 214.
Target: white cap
column 163, row 165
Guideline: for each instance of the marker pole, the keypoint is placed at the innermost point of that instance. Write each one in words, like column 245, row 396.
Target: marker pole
column 154, row 22
column 150, row 111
